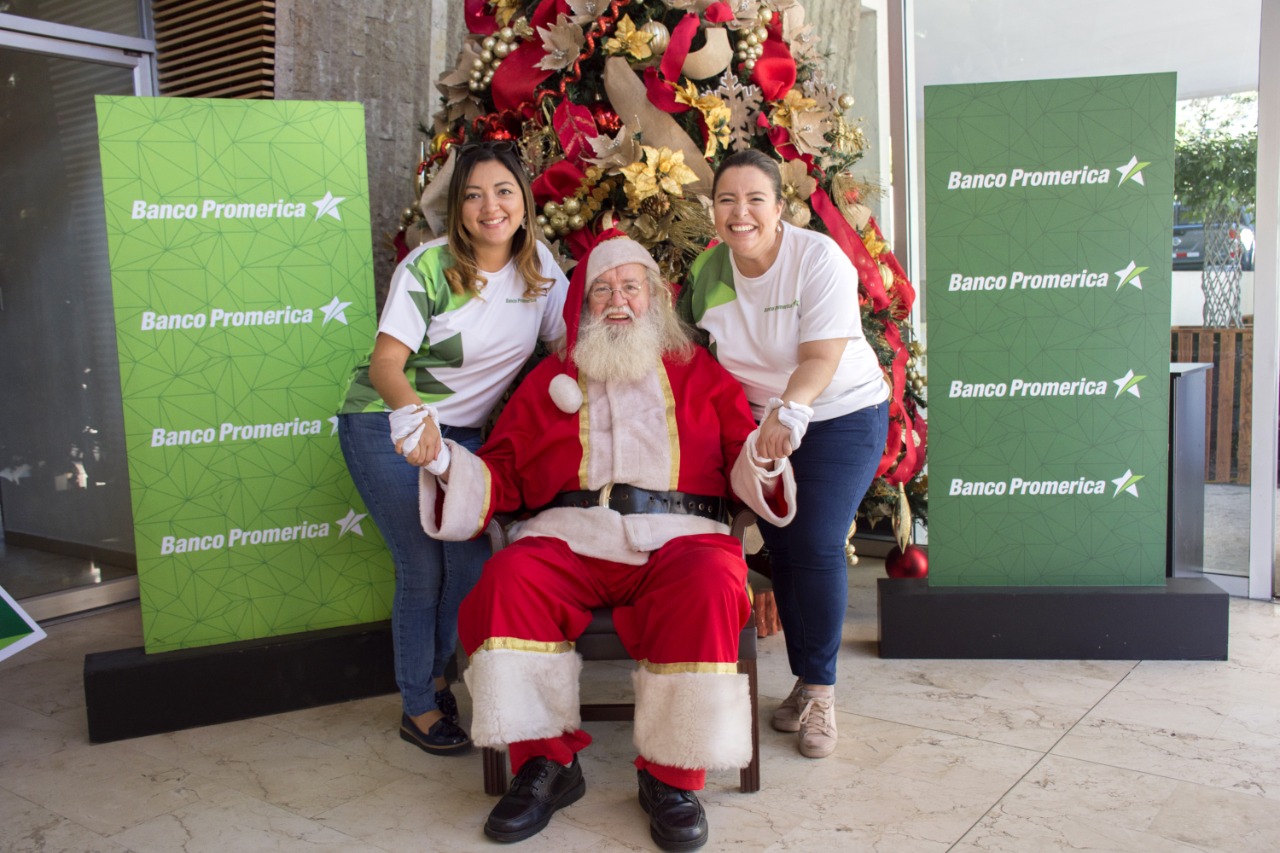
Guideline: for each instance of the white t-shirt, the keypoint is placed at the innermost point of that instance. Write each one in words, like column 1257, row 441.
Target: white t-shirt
column 465, row 349
column 810, row 293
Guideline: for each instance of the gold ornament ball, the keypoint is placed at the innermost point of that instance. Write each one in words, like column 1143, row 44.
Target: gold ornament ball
column 846, row 102
column 501, row 50
column 489, row 43
column 551, row 208
column 572, row 206
column 750, row 64
column 659, row 36
column 440, row 142
column 765, row 14
column 548, row 232
column 761, row 33
column 559, row 221
column 507, row 34
column 577, row 222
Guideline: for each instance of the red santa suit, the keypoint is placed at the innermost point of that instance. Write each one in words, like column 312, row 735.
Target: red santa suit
column 676, row 581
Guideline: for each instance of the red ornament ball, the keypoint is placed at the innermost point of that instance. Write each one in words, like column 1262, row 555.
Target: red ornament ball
column 911, row 563
column 607, row 121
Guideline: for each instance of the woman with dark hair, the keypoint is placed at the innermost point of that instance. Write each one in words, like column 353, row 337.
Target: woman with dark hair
column 780, row 305
column 463, row 314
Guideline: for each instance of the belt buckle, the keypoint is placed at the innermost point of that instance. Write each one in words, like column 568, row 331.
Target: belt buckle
column 606, row 492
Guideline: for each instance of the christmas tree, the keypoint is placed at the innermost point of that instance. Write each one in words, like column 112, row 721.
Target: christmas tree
column 621, row 111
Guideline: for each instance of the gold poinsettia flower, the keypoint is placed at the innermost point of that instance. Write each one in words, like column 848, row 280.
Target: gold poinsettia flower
column 719, row 129
column 660, row 171
column 505, row 10
column 790, row 106
column 796, row 181
column 629, row 40
column 715, row 113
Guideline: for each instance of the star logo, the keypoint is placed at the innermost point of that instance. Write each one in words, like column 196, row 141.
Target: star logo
column 333, row 423
column 328, row 206
column 1129, row 383
column 1129, row 275
column 350, row 523
column 334, row 311
column 1132, row 171
column 1127, row 482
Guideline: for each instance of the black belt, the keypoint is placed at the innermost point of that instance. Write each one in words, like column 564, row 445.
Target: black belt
column 631, row 500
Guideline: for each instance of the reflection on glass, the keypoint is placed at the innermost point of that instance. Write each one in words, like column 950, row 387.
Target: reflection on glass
column 964, row 41
column 63, row 477
column 111, row 16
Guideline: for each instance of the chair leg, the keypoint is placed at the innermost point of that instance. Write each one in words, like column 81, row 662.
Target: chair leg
column 749, row 776
column 495, row 771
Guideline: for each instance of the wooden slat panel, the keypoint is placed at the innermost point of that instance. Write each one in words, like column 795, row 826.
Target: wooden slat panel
column 1226, row 367
column 1244, row 426
column 1229, row 403
column 215, row 48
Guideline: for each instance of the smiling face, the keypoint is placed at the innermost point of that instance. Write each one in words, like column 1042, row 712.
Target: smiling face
column 619, row 295
column 747, row 215
column 492, row 211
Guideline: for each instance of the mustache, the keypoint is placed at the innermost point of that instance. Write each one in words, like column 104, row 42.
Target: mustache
column 621, row 309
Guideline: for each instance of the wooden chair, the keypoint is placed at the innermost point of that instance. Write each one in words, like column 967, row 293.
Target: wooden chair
column 600, row 642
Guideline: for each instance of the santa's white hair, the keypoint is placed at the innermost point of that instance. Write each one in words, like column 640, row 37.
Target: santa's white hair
column 625, row 353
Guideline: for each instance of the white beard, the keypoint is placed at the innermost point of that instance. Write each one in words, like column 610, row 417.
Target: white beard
column 618, row 353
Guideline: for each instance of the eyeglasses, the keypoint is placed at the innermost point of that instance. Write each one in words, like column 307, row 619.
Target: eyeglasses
column 603, row 292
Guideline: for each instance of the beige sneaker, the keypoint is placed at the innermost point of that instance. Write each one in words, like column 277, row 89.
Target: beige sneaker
column 817, row 724
column 786, row 717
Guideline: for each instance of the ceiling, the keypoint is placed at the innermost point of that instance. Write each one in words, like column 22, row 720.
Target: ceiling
column 1213, row 46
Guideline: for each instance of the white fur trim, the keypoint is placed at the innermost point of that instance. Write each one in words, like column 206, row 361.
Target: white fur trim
column 631, row 438
column 517, row 695
column 466, row 503
column 565, row 393
column 749, row 480
column 607, row 535
column 693, row 720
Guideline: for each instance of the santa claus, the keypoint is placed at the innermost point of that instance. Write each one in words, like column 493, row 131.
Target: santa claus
column 626, row 449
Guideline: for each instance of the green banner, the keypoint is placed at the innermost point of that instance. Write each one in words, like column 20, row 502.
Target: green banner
column 241, row 269
column 1049, row 207
column 17, row 630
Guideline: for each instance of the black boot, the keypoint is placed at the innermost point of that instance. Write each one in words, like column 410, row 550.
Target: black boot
column 676, row 819
column 541, row 788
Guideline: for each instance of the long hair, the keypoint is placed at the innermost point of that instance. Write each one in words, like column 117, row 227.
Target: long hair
column 465, row 273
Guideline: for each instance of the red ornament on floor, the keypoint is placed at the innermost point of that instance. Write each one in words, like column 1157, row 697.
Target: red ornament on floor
column 911, row 563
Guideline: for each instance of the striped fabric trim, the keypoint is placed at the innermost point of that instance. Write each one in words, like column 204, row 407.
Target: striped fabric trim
column 689, row 667
column 515, row 644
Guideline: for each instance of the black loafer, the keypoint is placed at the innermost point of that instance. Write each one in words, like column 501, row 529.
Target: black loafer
column 540, row 789
column 448, row 705
column 676, row 818
column 443, row 738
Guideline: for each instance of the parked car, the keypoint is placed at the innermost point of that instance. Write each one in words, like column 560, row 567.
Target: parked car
column 1189, row 252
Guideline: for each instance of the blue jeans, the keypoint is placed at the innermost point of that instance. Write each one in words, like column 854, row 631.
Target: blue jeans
column 432, row 577
column 834, row 467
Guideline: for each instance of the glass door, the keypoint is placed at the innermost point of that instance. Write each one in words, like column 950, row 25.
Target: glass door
column 1224, row 297
column 64, row 489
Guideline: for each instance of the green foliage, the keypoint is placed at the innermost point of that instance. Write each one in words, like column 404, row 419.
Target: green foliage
column 1215, row 171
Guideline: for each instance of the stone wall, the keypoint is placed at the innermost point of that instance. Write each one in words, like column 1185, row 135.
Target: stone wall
column 385, row 54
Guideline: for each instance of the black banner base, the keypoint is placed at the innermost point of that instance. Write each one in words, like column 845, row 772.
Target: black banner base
column 1184, row 620
column 129, row 693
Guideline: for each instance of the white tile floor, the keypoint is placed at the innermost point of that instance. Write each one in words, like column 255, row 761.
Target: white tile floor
column 934, row 756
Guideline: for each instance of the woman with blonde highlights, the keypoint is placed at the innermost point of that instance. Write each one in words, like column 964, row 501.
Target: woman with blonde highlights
column 463, row 314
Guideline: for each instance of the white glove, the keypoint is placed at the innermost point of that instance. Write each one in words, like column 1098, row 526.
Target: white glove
column 408, row 422
column 440, row 464
column 794, row 416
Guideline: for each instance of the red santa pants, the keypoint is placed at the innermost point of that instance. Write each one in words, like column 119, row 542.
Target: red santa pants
column 679, row 615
